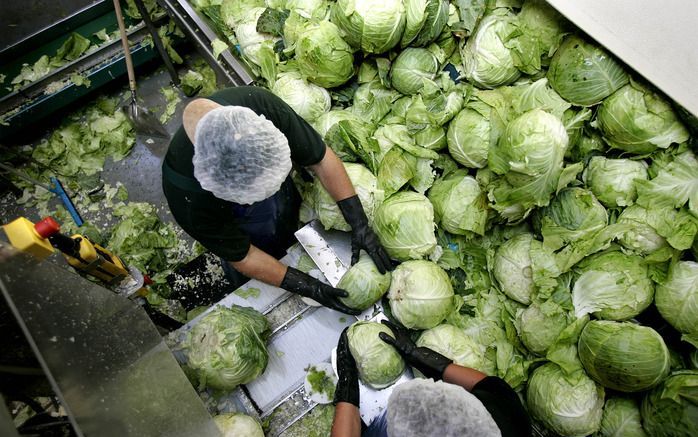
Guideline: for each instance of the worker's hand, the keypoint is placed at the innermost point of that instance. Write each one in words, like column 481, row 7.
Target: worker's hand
column 362, row 236
column 348, row 383
column 432, row 364
column 305, row 285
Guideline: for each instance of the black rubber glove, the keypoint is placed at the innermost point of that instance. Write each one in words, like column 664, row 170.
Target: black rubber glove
column 348, row 383
column 432, row 364
column 362, row 236
column 305, row 285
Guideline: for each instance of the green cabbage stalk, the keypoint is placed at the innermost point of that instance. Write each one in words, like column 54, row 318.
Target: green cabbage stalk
column 569, row 405
column 364, row 283
column 228, row 347
column 453, row 343
column 425, row 19
column 378, row 363
column 238, row 424
column 612, row 286
column 324, row 58
column 613, row 181
column 308, row 100
column 366, row 186
column 421, row 295
column 623, row 356
column 412, row 69
column 638, row 120
column 405, row 225
column 584, row 73
column 621, row 417
column 460, row 207
column 671, row 409
column 374, row 27
column 487, row 61
column 677, row 299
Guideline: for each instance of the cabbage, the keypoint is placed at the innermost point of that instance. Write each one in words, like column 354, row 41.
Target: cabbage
column 238, row 424
column 674, row 186
column 372, row 101
column 249, row 40
column 613, row 180
column 413, row 68
column 308, row 100
column 513, row 268
column 425, row 19
column 571, row 216
column 469, row 136
column 584, row 73
column 540, row 324
column 378, row 363
column 460, row 207
column 623, row 356
column 621, row 417
column 421, row 295
column 228, row 347
column 234, row 12
column 364, row 283
column 324, row 58
column 529, row 156
column 405, row 225
column 569, row 405
column 640, row 236
column 612, row 286
column 677, row 299
column 346, row 134
column 307, row 8
column 374, row 27
column 366, row 186
column 486, row 60
column 637, row 120
column 453, row 343
column 671, row 409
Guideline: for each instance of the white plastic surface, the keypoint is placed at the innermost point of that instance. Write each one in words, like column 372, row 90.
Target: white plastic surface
column 659, row 39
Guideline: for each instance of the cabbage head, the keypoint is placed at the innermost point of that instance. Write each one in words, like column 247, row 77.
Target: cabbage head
column 249, row 40
column 324, row 58
column 234, row 12
column 529, row 156
column 412, row 68
column 612, row 286
column 487, row 62
column 584, row 73
column 469, row 137
column 453, row 343
column 571, row 216
column 540, row 324
column 621, row 417
column 372, row 101
column 638, row 120
column 345, row 133
column 623, row 356
column 228, row 347
column 364, row 283
column 374, row 27
column 366, row 186
column 460, row 207
column 378, row 363
column 671, row 409
column 613, row 180
column 421, row 295
column 238, row 424
column 425, row 19
column 308, row 100
column 640, row 236
column 677, row 299
column 405, row 226
column 513, row 270
column 569, row 405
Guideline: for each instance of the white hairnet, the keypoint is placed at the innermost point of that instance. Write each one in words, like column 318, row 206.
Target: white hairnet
column 240, row 156
column 423, row 408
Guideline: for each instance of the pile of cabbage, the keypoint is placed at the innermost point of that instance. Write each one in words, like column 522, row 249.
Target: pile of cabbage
column 541, row 197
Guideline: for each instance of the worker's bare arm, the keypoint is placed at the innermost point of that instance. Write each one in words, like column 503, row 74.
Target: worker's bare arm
column 347, row 421
column 259, row 265
column 333, row 176
column 463, row 376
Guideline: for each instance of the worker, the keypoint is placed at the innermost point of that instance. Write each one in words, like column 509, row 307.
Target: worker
column 226, row 177
column 453, row 401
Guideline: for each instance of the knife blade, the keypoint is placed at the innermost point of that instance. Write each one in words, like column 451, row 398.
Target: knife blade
column 314, row 241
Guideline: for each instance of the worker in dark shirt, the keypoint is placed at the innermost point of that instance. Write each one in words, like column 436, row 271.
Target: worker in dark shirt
column 226, row 177
column 453, row 401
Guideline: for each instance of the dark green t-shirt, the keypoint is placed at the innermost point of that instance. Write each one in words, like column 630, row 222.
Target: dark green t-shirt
column 207, row 218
